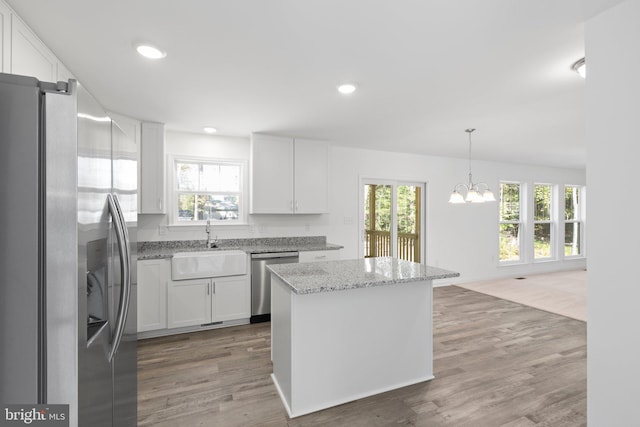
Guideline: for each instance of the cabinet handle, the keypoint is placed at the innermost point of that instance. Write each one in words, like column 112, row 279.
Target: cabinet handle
column 160, row 204
column 214, row 288
column 208, row 288
column 296, row 205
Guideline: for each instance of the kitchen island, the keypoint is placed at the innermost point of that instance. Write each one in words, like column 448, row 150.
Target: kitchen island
column 344, row 330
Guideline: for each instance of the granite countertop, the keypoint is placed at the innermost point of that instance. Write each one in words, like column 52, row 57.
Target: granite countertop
column 328, row 276
column 166, row 249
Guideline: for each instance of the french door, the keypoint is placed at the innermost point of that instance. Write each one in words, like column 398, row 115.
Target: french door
column 393, row 219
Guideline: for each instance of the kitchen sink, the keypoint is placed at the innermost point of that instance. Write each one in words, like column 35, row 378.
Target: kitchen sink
column 196, row 265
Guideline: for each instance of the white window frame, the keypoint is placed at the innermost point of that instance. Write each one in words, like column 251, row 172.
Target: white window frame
column 521, row 225
column 551, row 221
column 578, row 220
column 174, row 192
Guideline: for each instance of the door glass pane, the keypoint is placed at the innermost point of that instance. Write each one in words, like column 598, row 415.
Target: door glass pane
column 509, row 242
column 377, row 220
column 408, row 219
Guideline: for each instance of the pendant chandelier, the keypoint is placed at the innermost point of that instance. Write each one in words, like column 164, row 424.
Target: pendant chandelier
column 473, row 193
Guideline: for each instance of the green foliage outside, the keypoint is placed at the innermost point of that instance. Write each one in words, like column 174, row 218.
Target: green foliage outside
column 542, row 212
column 406, row 209
column 509, row 231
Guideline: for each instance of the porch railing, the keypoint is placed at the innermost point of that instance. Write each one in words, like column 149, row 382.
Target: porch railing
column 378, row 243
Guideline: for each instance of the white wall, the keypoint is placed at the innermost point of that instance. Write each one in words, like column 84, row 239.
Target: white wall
column 613, row 153
column 459, row 237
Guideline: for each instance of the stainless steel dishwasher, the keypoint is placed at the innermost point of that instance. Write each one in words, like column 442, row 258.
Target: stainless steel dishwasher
column 261, row 282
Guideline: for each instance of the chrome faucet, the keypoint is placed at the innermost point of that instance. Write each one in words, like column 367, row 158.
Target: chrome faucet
column 211, row 243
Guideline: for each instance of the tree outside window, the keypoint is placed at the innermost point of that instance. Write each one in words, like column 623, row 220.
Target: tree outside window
column 542, row 222
column 572, row 221
column 510, row 221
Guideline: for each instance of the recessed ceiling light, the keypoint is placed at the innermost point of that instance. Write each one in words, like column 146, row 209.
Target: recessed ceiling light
column 580, row 67
column 209, row 129
column 150, row 51
column 347, row 88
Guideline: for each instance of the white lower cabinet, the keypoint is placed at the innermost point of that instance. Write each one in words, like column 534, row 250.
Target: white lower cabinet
column 153, row 276
column 203, row 301
column 315, row 256
column 189, row 302
column 231, row 298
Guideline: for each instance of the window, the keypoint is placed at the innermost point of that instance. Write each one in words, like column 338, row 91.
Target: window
column 207, row 190
column 572, row 221
column 542, row 223
column 510, row 221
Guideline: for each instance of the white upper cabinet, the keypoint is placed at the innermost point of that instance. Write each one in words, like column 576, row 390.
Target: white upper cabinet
column 5, row 38
column 271, row 174
column 29, row 56
column 289, row 175
column 152, row 169
column 22, row 52
column 311, row 176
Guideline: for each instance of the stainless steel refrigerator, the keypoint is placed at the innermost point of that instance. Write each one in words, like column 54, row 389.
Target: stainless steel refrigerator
column 68, row 217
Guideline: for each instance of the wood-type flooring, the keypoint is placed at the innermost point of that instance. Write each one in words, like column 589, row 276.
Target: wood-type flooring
column 496, row 363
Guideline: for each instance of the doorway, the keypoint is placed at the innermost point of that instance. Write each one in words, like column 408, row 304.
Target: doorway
column 393, row 220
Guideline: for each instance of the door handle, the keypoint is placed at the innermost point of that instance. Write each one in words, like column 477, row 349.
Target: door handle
column 122, row 238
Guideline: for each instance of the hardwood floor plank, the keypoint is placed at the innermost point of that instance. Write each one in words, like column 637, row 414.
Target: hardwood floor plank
column 496, row 363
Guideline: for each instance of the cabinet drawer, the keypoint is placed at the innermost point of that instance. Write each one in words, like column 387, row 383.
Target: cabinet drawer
column 315, row 256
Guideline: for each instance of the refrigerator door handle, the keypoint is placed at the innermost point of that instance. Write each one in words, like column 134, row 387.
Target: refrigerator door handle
column 122, row 237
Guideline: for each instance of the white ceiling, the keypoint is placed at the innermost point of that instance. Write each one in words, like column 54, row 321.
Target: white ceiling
column 426, row 69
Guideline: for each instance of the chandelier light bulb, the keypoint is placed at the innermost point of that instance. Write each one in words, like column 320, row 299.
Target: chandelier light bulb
column 474, row 193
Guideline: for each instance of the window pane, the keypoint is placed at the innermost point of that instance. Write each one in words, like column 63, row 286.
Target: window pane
column 572, row 239
column 542, row 196
column 187, row 176
column 509, row 202
column 186, row 207
column 509, row 242
column 209, row 177
column 229, row 178
column 220, row 178
column 218, row 207
column 542, row 240
column 571, row 201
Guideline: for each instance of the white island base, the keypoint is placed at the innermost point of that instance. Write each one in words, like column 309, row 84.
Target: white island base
column 330, row 348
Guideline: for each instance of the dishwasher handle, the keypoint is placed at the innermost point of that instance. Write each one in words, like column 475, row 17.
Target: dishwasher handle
column 268, row 255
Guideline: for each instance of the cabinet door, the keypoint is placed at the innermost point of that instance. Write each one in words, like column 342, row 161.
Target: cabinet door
column 152, row 194
column 311, row 176
column 153, row 276
column 5, row 38
column 231, row 298
column 189, row 303
column 271, row 174
column 29, row 56
column 315, row 256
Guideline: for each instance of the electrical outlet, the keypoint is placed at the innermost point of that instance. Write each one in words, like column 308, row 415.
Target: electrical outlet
column 162, row 230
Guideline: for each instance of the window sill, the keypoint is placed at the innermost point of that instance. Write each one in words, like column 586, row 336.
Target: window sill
column 186, row 227
column 510, row 263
